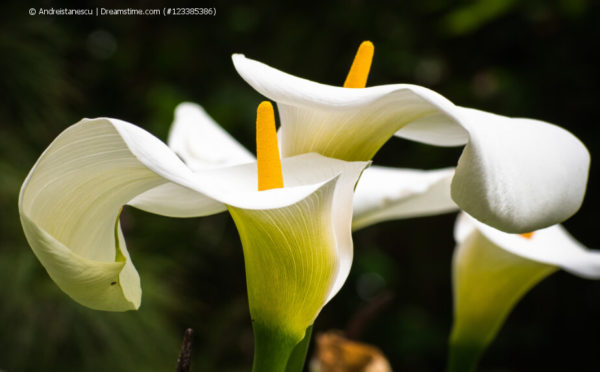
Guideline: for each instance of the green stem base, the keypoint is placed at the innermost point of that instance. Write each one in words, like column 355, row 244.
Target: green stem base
column 298, row 357
column 272, row 348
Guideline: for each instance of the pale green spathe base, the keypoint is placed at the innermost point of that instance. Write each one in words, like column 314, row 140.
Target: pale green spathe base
column 291, row 260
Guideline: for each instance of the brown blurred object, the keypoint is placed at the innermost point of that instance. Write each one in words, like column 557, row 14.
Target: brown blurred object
column 184, row 360
column 337, row 354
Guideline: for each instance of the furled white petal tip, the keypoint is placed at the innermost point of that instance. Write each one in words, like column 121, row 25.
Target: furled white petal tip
column 71, row 200
column 519, row 175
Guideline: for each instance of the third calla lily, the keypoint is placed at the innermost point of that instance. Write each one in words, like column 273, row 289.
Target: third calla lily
column 493, row 270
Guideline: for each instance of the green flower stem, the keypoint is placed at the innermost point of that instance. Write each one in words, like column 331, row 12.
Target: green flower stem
column 272, row 348
column 298, row 357
column 464, row 358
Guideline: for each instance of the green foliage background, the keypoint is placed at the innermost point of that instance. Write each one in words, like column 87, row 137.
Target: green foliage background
column 533, row 59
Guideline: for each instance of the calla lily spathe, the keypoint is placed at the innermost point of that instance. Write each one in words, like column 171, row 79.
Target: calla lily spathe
column 493, row 270
column 383, row 193
column 515, row 174
column 71, row 201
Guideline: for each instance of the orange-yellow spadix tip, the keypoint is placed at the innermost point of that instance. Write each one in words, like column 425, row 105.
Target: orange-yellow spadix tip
column 267, row 150
column 359, row 71
column 528, row 235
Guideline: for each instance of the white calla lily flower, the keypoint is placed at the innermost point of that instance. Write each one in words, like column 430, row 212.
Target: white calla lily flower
column 493, row 270
column 514, row 174
column 297, row 240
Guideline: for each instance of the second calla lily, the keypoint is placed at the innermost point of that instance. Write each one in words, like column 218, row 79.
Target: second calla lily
column 493, row 270
column 297, row 239
column 503, row 176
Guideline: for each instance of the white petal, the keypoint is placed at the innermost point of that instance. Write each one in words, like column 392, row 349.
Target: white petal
column 342, row 221
column 435, row 129
column 69, row 205
column 201, row 142
column 173, row 200
column 552, row 246
column 517, row 175
column 392, row 193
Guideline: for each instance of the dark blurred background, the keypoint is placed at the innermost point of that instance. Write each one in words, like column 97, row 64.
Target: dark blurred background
column 532, row 59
